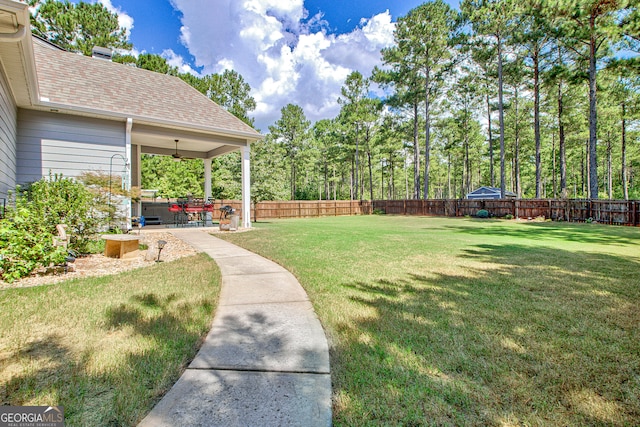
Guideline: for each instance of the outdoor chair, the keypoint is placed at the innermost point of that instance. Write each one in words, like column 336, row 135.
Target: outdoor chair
column 178, row 210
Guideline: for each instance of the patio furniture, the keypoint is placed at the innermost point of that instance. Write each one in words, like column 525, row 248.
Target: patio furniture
column 121, row 245
column 195, row 210
column 191, row 210
column 180, row 217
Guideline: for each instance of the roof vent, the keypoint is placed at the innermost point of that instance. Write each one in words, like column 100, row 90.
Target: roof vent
column 101, row 53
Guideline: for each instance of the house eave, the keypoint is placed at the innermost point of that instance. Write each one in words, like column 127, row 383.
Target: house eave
column 21, row 35
column 47, row 105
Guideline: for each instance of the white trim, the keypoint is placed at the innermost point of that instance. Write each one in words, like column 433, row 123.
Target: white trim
column 207, row 185
column 246, row 186
column 70, row 109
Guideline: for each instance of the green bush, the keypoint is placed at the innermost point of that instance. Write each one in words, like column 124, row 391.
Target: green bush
column 482, row 213
column 25, row 244
column 508, row 216
column 27, row 231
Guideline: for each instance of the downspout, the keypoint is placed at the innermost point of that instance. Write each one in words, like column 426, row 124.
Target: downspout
column 127, row 153
column 14, row 37
column 246, row 186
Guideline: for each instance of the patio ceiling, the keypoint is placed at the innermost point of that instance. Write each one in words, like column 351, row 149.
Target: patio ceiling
column 161, row 140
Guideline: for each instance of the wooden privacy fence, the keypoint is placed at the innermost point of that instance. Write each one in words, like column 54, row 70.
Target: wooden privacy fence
column 299, row 209
column 270, row 210
column 623, row 212
column 604, row 211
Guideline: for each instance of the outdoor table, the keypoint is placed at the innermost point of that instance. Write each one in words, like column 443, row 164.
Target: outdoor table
column 190, row 210
column 121, row 245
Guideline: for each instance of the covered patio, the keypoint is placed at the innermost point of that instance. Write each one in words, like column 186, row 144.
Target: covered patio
column 93, row 114
column 150, row 139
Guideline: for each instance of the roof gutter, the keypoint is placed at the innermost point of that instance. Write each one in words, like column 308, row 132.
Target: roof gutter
column 22, row 35
column 14, row 37
column 249, row 136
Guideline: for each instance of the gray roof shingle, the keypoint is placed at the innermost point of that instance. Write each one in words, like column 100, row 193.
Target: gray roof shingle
column 120, row 90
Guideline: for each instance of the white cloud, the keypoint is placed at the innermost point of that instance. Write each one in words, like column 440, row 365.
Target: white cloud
column 124, row 20
column 283, row 55
column 175, row 60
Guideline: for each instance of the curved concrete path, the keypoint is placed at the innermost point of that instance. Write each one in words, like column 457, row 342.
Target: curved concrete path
column 265, row 361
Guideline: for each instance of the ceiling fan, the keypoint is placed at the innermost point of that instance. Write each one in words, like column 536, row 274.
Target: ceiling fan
column 176, row 156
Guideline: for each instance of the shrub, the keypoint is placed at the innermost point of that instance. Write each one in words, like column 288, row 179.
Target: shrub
column 60, row 200
column 378, row 211
column 25, row 244
column 508, row 216
column 482, row 213
column 26, row 232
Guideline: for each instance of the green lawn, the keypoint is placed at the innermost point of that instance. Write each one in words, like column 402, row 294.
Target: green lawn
column 435, row 321
column 105, row 348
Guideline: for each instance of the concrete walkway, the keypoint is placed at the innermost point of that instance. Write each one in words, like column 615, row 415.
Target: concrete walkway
column 265, row 361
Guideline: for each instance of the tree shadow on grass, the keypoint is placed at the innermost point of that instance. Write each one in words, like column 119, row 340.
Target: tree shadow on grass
column 48, row 370
column 581, row 233
column 542, row 343
column 153, row 369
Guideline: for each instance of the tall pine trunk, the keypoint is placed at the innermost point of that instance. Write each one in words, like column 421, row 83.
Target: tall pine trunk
column 554, row 180
column 593, row 117
column 516, row 160
column 562, row 145
column 609, row 167
column 427, row 134
column 370, row 166
column 501, row 118
column 625, row 185
column 416, row 153
column 492, row 175
column 536, row 121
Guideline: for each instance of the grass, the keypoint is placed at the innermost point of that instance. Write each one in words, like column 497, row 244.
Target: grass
column 437, row 321
column 105, row 348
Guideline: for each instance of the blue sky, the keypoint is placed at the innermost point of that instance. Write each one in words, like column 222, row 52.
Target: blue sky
column 289, row 51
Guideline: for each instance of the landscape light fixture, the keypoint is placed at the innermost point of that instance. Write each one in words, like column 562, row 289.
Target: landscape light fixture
column 161, row 244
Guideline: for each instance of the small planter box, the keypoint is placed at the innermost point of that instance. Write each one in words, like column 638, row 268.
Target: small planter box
column 121, row 246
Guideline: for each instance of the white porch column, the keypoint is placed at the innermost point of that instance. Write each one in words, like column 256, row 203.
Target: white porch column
column 207, row 178
column 129, row 162
column 136, row 174
column 246, row 186
column 207, row 186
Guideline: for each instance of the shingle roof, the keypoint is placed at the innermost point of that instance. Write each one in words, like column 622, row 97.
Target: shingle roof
column 120, row 90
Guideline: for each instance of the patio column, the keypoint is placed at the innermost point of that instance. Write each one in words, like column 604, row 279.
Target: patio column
column 207, row 185
column 246, row 186
column 136, row 176
column 129, row 168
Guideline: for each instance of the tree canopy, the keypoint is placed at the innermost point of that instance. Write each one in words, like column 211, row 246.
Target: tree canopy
column 78, row 27
column 552, row 86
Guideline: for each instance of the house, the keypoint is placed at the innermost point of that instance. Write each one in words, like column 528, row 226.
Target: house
column 490, row 193
column 67, row 113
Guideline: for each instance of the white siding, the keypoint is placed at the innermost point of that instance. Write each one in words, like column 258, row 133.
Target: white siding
column 8, row 117
column 67, row 145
